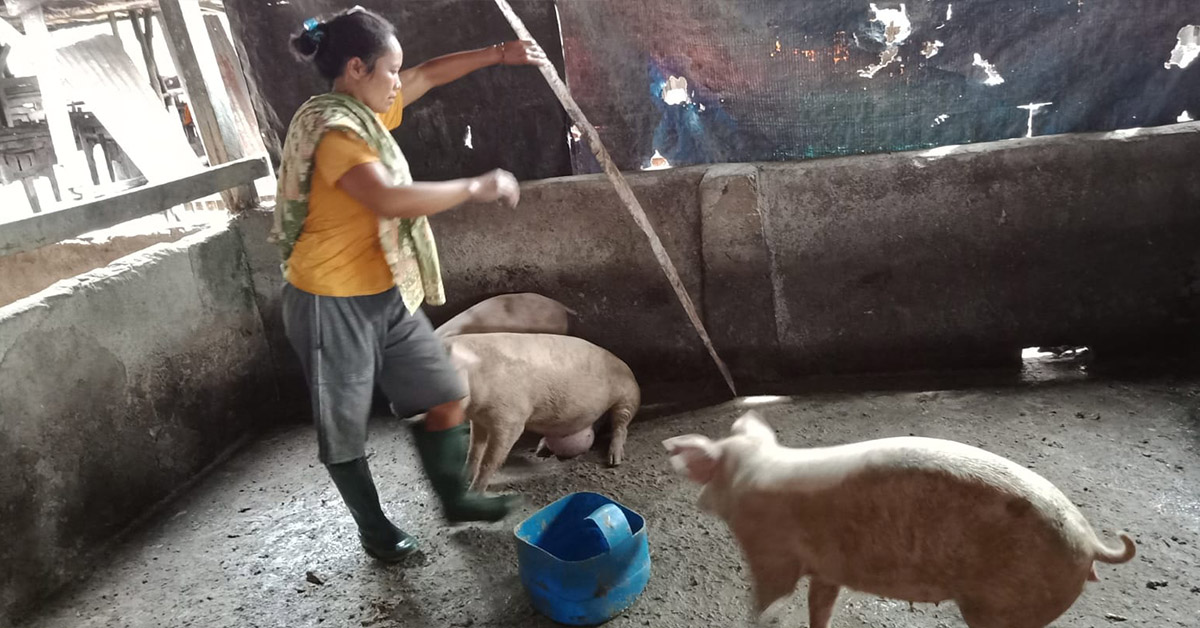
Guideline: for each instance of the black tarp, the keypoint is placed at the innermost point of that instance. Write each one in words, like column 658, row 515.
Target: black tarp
column 774, row 80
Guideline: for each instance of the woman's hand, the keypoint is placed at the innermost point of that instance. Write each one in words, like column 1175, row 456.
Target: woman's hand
column 520, row 52
column 495, row 185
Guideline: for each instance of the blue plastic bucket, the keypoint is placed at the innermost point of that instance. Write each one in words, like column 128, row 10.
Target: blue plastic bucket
column 583, row 559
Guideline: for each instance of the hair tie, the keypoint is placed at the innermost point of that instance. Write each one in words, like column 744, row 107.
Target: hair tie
column 310, row 30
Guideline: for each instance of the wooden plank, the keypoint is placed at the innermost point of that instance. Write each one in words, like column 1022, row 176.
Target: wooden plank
column 71, row 222
column 196, row 62
column 235, row 85
column 143, row 31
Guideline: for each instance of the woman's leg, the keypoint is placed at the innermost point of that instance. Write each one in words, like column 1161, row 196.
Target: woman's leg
column 417, row 377
column 337, row 350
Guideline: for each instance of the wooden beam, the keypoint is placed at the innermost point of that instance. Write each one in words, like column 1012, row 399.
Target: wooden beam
column 192, row 51
column 143, row 32
column 112, row 23
column 72, row 222
column 54, row 97
column 235, row 86
column 270, row 127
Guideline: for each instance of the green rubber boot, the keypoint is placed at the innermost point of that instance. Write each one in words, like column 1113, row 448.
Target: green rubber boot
column 381, row 539
column 444, row 458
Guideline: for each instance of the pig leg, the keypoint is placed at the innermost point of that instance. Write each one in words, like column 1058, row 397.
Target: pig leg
column 622, row 414
column 774, row 574
column 822, row 597
column 500, row 441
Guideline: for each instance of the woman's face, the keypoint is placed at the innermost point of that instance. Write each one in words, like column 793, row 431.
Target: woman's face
column 380, row 87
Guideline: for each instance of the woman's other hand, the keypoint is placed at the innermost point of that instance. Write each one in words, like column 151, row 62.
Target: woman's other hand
column 496, row 185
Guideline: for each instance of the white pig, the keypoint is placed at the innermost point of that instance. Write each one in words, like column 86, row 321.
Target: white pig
column 525, row 312
column 914, row 519
column 556, row 386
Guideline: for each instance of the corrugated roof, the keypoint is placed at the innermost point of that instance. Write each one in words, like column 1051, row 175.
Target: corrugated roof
column 61, row 12
column 120, row 96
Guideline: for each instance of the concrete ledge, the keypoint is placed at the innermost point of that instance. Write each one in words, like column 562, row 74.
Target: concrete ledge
column 954, row 257
column 962, row 256
column 116, row 387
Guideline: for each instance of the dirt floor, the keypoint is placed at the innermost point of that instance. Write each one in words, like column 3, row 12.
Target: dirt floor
column 266, row 541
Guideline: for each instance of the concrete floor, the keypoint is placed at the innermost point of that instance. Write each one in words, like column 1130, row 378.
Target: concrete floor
column 237, row 550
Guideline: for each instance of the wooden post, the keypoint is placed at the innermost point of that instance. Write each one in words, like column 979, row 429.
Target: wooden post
column 235, row 86
column 4, row 73
column 54, row 98
column 35, row 203
column 112, row 23
column 143, row 31
column 192, row 51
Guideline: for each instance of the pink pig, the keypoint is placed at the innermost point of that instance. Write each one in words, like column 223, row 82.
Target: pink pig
column 914, row 519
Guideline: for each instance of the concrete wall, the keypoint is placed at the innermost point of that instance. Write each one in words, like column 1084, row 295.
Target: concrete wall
column 116, row 388
column 948, row 258
column 964, row 255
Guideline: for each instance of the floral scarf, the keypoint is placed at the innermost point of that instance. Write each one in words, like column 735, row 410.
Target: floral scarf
column 408, row 244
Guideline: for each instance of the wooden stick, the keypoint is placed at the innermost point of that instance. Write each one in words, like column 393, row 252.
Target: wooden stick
column 623, row 190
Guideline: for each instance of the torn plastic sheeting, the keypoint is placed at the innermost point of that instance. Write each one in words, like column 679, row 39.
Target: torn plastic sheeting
column 1187, row 48
column 774, row 80
column 896, row 30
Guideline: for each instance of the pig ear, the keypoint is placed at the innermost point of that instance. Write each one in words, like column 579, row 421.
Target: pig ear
column 694, row 456
column 753, row 425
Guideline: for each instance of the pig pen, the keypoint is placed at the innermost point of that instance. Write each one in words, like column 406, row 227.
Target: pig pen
column 265, row 540
column 940, row 261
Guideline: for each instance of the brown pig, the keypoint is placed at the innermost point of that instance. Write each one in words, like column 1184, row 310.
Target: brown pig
column 913, row 519
column 556, row 386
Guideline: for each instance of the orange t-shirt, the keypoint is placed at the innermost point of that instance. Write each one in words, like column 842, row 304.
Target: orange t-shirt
column 338, row 252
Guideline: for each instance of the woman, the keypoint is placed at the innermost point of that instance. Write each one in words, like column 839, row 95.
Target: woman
column 359, row 259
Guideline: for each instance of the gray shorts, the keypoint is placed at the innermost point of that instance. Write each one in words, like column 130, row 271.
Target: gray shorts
column 346, row 345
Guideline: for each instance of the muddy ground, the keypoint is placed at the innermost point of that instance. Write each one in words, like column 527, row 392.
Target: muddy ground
column 265, row 540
